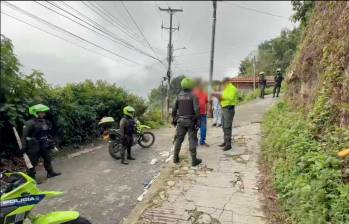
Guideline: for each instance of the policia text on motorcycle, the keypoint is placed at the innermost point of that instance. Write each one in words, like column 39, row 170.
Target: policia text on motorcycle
column 37, row 141
column 127, row 129
column 228, row 99
column 186, row 117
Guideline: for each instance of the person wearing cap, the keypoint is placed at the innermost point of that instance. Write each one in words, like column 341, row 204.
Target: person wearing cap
column 278, row 80
column 186, row 118
column 37, row 141
column 262, row 84
column 228, row 99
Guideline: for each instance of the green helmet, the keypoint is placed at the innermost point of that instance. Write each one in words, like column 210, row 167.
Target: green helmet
column 34, row 110
column 129, row 111
column 187, row 83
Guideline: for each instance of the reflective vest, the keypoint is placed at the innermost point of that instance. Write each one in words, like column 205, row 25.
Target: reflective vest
column 229, row 96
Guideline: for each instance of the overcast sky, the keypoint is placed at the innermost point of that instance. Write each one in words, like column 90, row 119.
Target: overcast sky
column 241, row 26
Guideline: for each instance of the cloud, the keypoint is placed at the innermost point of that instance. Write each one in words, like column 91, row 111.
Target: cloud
column 238, row 32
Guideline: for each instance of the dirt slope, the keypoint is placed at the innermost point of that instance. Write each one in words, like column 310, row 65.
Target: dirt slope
column 318, row 79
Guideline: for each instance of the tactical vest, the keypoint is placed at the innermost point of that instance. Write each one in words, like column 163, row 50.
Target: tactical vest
column 185, row 105
column 130, row 127
column 41, row 129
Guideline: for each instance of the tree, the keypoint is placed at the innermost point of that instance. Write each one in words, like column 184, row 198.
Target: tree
column 303, row 10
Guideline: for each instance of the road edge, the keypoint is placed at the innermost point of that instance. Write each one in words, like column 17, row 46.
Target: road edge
column 158, row 184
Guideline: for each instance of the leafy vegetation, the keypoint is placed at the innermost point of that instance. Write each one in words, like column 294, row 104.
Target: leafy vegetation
column 75, row 108
column 307, row 173
column 273, row 54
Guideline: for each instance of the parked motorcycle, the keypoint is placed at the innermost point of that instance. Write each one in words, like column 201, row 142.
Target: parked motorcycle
column 19, row 195
column 142, row 137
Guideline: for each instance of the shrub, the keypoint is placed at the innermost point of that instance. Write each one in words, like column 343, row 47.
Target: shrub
column 307, row 173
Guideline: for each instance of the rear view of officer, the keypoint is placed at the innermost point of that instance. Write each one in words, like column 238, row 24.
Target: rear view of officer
column 278, row 80
column 186, row 116
column 37, row 141
column 127, row 129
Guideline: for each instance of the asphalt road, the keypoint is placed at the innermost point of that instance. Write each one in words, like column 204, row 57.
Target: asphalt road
column 103, row 190
column 99, row 187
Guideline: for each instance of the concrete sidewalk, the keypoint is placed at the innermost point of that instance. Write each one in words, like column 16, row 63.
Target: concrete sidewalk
column 222, row 190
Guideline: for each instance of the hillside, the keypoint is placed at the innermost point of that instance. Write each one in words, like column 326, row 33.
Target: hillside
column 304, row 133
column 318, row 78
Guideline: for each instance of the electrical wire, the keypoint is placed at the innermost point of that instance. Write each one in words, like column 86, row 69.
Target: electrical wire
column 52, row 34
column 67, row 31
column 139, row 29
column 255, row 10
column 100, row 12
column 113, row 38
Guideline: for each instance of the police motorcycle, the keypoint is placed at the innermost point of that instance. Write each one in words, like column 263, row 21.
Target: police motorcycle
column 112, row 135
column 19, row 195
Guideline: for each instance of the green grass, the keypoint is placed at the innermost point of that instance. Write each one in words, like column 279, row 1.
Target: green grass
column 307, row 173
column 246, row 97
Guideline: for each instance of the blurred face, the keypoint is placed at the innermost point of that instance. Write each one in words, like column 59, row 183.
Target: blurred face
column 41, row 114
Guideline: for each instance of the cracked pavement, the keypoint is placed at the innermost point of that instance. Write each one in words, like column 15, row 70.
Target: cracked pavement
column 225, row 188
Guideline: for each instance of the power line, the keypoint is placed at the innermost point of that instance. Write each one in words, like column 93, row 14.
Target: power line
column 255, row 10
column 113, row 38
column 156, row 7
column 100, row 13
column 52, row 34
column 66, row 31
column 96, row 24
column 139, row 29
column 113, row 18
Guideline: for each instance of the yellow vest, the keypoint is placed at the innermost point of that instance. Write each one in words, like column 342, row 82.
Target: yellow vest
column 229, row 96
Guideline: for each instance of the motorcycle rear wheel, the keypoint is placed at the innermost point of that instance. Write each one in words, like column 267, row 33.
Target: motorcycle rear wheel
column 147, row 139
column 114, row 150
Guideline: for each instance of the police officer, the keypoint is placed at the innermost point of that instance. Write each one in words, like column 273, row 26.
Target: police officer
column 262, row 84
column 37, row 141
column 186, row 116
column 127, row 129
column 278, row 80
column 228, row 99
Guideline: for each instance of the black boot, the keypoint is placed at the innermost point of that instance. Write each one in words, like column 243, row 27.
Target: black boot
column 130, row 158
column 52, row 174
column 196, row 162
column 227, row 147
column 222, row 145
column 123, row 161
column 176, row 159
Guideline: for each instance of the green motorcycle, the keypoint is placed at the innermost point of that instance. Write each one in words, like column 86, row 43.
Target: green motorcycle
column 19, row 195
column 142, row 137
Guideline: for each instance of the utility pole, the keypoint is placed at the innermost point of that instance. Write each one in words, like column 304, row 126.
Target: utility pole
column 212, row 49
column 254, row 72
column 171, row 11
column 162, row 97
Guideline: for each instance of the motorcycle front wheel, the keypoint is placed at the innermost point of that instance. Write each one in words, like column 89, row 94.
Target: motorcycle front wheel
column 147, row 139
column 80, row 220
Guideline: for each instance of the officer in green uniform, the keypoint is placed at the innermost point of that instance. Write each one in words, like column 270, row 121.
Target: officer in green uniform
column 127, row 129
column 229, row 99
column 186, row 116
column 278, row 80
column 37, row 141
